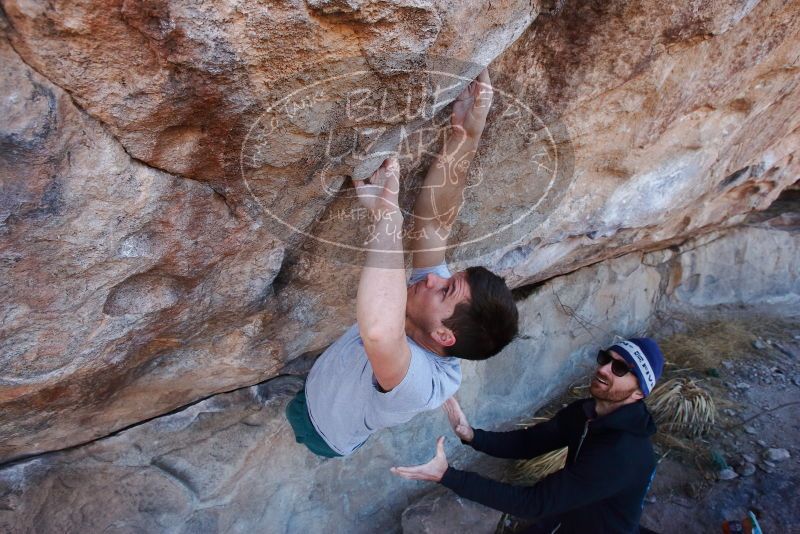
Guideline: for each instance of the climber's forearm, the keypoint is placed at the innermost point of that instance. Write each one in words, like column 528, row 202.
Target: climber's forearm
column 381, row 300
column 440, row 198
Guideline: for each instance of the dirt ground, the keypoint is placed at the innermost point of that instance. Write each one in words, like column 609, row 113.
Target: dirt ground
column 748, row 360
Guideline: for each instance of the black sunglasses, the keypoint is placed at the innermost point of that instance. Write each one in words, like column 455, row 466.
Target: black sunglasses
column 619, row 368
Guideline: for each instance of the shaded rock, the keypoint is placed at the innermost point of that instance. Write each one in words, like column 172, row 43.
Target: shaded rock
column 443, row 512
column 776, row 455
column 746, row 469
column 694, row 490
column 783, row 350
column 727, row 474
column 122, row 285
column 767, row 467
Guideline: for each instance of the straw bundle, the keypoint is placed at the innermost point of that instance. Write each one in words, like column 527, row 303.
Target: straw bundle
column 680, row 406
column 537, row 468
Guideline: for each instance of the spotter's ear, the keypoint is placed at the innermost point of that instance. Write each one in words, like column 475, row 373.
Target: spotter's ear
column 638, row 395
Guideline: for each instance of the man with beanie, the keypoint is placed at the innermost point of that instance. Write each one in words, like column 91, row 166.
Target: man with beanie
column 610, row 460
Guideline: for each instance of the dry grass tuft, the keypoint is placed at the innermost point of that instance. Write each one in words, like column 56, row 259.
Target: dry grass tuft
column 681, row 407
column 706, row 345
column 541, row 466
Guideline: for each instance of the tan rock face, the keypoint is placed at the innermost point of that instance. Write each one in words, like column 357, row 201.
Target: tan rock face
column 178, row 82
column 112, row 271
column 141, row 269
column 127, row 291
column 680, row 119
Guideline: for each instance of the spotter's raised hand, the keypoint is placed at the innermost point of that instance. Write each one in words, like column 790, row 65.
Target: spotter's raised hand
column 433, row 471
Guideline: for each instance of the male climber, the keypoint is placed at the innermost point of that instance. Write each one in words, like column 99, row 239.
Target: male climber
column 402, row 356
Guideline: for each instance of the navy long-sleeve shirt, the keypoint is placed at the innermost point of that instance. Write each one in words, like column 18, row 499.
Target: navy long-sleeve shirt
column 610, row 463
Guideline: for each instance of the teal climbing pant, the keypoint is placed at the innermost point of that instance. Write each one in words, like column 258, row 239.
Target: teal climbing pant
column 304, row 431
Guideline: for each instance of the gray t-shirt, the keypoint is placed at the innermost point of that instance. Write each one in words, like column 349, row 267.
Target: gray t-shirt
column 345, row 403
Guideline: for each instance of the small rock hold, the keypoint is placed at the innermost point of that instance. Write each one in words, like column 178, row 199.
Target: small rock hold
column 776, row 455
column 747, row 469
column 796, row 381
column 727, row 474
column 764, row 466
column 750, row 430
column 651, row 499
column 742, row 385
column 758, row 344
column 749, row 458
column 783, row 350
column 694, row 490
column 762, row 442
column 727, row 364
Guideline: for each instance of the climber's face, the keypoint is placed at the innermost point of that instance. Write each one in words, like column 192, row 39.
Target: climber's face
column 432, row 300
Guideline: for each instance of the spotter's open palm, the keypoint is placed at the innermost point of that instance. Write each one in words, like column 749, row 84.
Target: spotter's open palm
column 433, row 471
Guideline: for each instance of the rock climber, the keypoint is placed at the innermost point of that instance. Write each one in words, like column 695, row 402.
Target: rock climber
column 610, row 461
column 402, row 356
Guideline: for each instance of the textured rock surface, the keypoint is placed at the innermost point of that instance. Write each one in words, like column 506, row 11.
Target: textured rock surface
column 229, row 463
column 444, row 512
column 121, row 285
column 128, row 291
column 681, row 116
column 177, row 81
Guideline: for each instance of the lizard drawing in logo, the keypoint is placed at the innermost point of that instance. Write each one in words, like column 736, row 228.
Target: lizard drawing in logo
column 454, row 161
column 472, row 103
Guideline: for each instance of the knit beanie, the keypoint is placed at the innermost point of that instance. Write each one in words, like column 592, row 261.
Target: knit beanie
column 645, row 357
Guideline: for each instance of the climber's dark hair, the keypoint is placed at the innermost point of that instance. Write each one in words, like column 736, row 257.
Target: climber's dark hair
column 487, row 322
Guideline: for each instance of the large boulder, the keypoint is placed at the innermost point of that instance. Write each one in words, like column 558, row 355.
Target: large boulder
column 230, row 462
column 142, row 265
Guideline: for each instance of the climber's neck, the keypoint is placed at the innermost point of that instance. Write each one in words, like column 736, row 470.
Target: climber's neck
column 422, row 338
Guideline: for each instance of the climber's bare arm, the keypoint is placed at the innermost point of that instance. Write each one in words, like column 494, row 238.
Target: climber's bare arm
column 440, row 197
column 381, row 300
